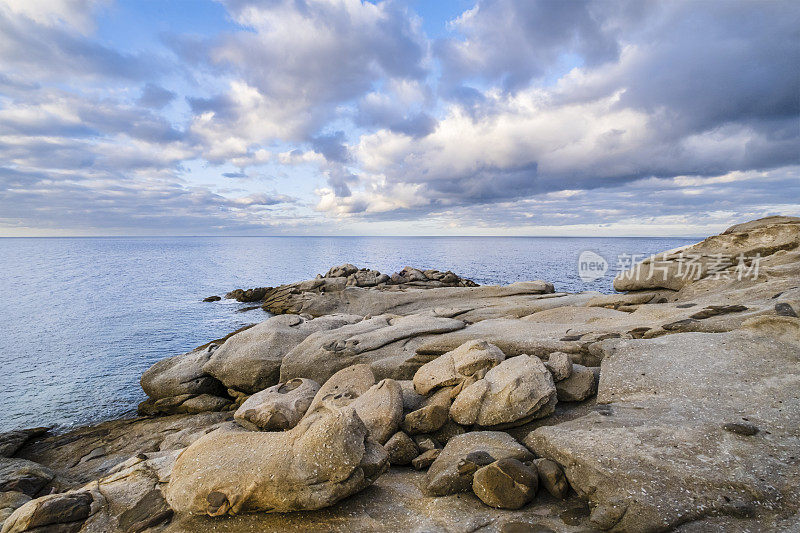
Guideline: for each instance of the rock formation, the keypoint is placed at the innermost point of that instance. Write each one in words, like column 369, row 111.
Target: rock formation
column 671, row 406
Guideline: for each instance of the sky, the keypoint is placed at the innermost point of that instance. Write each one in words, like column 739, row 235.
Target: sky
column 348, row 117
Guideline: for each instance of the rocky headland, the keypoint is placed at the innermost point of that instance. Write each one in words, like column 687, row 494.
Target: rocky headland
column 419, row 401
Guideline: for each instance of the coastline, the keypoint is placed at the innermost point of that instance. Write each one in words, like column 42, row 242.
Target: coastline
column 649, row 352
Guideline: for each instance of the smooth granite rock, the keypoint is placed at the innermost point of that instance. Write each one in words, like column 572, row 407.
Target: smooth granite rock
column 279, row 407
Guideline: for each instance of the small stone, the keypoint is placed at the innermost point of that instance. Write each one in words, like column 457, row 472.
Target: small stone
column 401, row 449
column 581, row 384
column 212, row 299
column 425, row 460
column 552, row 478
column 431, row 416
column 505, row 484
column 784, row 309
column 560, row 365
column 426, row 442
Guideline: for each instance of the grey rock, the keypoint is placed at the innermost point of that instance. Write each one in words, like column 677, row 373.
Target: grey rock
column 581, row 384
column 12, row 441
column 250, row 361
column 180, row 375
column 24, row 476
column 49, row 512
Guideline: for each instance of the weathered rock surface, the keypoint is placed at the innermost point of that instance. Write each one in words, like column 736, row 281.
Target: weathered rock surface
column 552, row 478
column 181, row 375
column 514, row 392
column 581, row 384
column 715, row 256
column 401, row 449
column 385, row 342
column 325, row 458
column 381, row 409
column 448, row 475
column 250, row 361
column 21, row 475
column 456, row 366
column 277, row 408
column 505, row 484
column 659, row 455
column 560, row 365
column 12, row 441
column 432, row 415
column 350, row 382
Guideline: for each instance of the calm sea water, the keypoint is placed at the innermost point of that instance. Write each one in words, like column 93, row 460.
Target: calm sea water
column 82, row 318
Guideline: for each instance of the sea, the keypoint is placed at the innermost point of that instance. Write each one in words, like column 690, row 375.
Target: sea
column 82, row 318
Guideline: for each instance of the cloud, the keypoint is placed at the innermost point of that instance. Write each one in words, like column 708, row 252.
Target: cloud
column 670, row 100
column 155, row 96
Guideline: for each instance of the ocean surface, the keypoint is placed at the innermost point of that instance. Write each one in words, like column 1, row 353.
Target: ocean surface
column 82, row 318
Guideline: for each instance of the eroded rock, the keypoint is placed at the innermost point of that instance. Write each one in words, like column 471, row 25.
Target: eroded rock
column 279, row 407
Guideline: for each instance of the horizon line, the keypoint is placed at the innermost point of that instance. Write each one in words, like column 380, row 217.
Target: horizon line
column 354, row 236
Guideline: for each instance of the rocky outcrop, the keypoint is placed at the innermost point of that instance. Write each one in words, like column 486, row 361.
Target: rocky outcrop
column 385, row 342
column 669, row 401
column 250, row 361
column 693, row 425
column 325, row 458
column 728, row 255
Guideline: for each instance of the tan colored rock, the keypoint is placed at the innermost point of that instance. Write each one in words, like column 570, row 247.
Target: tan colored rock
column 381, row 409
column 445, row 475
column 552, row 478
column 560, row 365
column 505, row 484
column 326, row 457
column 370, row 341
column 665, row 449
column 431, row 416
column 516, row 391
column 401, row 449
column 455, row 366
column 250, row 361
column 279, row 407
column 581, row 384
column 351, row 382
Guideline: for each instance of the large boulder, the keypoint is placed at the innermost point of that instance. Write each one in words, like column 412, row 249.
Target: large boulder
column 250, row 361
column 453, row 469
column 277, row 408
column 181, row 375
column 454, row 367
column 326, row 457
column 350, row 382
column 384, row 342
column 689, row 426
column 516, row 391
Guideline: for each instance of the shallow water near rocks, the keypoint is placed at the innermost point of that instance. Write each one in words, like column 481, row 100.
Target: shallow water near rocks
column 82, row 318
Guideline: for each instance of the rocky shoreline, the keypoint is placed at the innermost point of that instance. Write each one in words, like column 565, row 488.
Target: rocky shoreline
column 420, row 401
